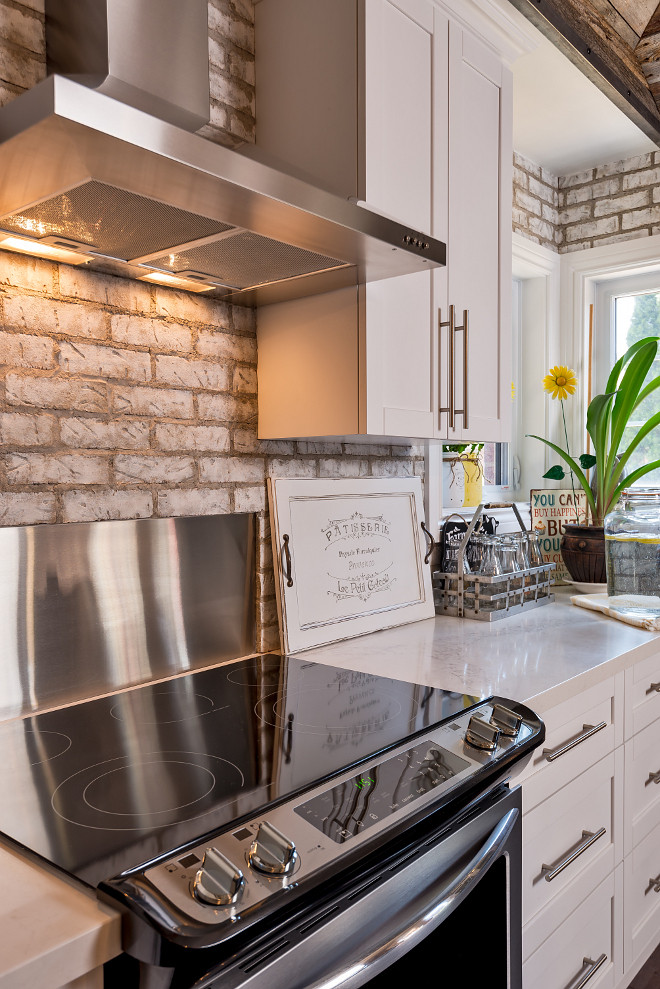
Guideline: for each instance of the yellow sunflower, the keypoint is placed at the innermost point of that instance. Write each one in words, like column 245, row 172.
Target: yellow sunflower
column 560, row 381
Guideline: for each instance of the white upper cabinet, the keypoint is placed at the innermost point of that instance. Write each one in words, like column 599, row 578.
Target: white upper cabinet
column 477, row 230
column 359, row 95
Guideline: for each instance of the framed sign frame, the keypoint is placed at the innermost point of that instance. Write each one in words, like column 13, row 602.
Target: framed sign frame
column 348, row 557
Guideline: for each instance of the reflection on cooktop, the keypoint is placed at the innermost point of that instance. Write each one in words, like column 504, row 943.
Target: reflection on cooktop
column 105, row 785
column 322, row 712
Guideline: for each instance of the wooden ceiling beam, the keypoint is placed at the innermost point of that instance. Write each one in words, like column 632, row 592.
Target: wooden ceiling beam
column 595, row 47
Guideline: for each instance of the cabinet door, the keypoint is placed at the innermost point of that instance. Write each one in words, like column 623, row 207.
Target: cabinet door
column 398, row 356
column 396, row 174
column 478, row 235
column 397, row 125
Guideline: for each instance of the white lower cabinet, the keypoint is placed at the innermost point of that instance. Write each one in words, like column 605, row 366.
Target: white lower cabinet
column 570, row 839
column 591, row 836
column 642, row 901
column 586, row 946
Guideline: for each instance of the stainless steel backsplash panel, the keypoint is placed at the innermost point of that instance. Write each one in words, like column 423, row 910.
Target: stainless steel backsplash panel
column 90, row 607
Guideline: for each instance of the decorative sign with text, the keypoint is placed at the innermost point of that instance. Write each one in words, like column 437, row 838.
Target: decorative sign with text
column 550, row 510
column 354, row 557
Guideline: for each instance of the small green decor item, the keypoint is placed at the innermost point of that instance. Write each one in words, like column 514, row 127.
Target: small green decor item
column 608, row 416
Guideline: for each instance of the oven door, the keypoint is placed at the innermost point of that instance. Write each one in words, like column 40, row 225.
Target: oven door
column 453, row 908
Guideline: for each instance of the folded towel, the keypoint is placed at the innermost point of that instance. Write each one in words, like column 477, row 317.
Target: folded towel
column 611, row 606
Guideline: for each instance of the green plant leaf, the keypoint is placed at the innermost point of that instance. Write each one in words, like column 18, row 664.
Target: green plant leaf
column 575, row 467
column 645, row 392
column 598, row 417
column 634, row 476
column 587, row 460
column 613, row 379
column 627, row 395
column 556, row 473
column 643, row 431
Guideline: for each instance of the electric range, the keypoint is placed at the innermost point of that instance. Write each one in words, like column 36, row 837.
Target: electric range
column 205, row 805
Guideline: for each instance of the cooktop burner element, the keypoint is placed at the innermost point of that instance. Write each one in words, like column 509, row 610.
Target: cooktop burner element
column 132, row 775
column 158, row 789
column 46, row 745
column 162, row 707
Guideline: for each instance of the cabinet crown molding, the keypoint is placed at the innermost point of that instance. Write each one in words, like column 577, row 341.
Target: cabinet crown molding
column 498, row 23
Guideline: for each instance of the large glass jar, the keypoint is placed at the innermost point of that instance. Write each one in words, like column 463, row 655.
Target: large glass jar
column 632, row 552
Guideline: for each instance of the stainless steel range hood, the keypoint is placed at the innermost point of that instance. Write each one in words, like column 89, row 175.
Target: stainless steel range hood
column 126, row 189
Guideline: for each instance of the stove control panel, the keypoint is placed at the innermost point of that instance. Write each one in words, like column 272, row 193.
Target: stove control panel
column 271, row 854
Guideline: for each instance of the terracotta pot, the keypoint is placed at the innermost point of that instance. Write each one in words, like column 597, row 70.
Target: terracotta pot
column 583, row 550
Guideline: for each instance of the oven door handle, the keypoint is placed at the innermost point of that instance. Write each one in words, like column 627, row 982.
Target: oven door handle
column 428, row 912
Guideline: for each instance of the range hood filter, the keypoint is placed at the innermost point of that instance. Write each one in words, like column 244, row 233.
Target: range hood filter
column 242, row 260
column 111, row 221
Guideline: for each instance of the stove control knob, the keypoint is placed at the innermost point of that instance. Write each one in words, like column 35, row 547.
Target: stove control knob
column 272, row 852
column 506, row 720
column 219, row 881
column 481, row 734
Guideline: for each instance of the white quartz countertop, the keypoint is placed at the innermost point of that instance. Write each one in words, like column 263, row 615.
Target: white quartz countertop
column 51, row 932
column 542, row 657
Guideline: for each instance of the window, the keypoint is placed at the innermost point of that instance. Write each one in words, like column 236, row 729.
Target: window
column 626, row 310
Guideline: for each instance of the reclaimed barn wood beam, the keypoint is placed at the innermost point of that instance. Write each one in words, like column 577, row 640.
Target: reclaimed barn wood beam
column 593, row 44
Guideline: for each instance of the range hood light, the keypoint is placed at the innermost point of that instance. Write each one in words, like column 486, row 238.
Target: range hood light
column 175, row 281
column 39, row 249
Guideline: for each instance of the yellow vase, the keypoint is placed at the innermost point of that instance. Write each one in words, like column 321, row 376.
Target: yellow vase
column 474, row 483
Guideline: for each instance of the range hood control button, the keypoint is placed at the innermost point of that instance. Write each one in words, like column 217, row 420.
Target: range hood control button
column 219, row 881
column 272, row 852
column 507, row 721
column 481, row 734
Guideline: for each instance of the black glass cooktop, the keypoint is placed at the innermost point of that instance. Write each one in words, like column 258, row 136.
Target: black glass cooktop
column 103, row 786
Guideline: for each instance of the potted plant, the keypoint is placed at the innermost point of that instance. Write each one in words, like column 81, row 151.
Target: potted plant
column 608, row 417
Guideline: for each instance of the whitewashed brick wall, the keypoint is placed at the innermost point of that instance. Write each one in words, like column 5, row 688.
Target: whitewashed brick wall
column 535, row 203
column 121, row 400
column 612, row 203
column 604, row 205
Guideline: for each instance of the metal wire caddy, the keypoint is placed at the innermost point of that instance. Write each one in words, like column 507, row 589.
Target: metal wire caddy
column 466, row 595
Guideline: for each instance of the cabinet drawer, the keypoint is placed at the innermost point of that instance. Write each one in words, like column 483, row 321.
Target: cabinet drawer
column 570, row 838
column 642, row 785
column 642, row 694
column 579, row 943
column 574, row 741
column 642, row 902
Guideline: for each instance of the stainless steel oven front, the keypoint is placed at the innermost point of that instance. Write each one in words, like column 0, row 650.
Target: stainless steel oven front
column 448, row 905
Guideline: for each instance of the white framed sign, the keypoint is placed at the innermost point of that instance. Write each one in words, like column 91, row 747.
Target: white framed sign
column 349, row 557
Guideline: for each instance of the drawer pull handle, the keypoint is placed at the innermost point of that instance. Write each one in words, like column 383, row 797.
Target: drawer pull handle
column 589, row 968
column 654, row 688
column 588, row 839
column 587, row 732
column 654, row 884
column 653, row 778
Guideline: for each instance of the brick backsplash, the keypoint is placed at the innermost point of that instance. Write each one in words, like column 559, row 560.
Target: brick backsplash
column 121, row 400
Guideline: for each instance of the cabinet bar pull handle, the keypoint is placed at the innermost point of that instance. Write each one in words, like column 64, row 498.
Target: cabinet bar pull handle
column 654, row 688
column 465, row 369
column 589, row 968
column 653, row 778
column 654, row 884
column 588, row 839
column 287, row 557
column 587, row 732
column 450, row 397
